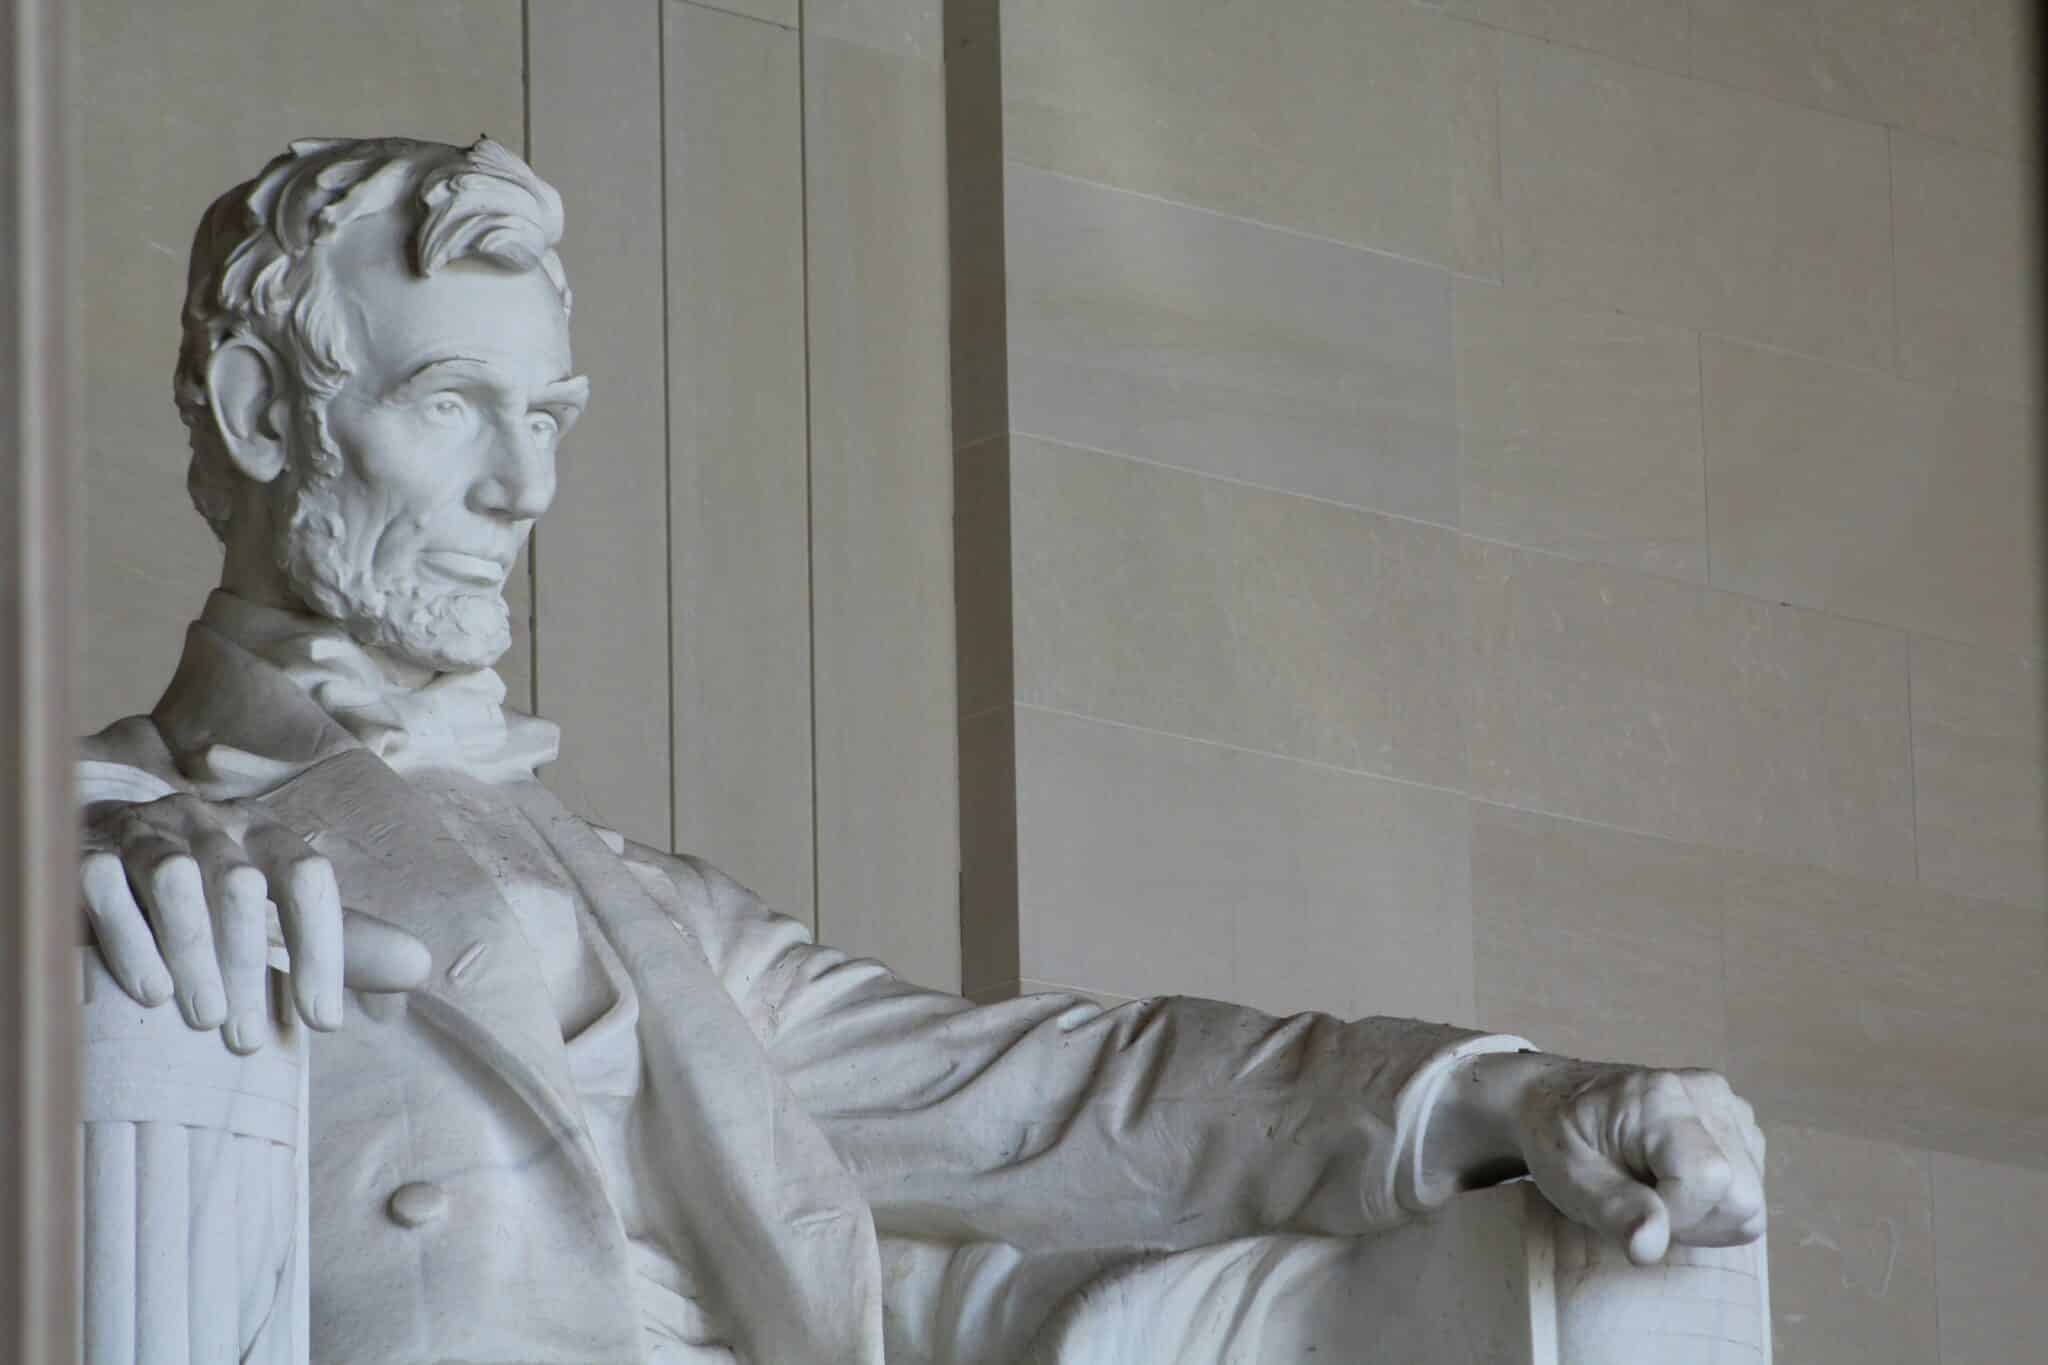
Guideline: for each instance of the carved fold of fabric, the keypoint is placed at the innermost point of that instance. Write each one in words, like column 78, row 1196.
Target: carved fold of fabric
column 110, row 1218
column 191, row 1189
column 452, row 720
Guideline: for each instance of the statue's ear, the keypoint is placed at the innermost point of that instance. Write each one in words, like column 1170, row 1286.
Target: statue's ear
column 247, row 401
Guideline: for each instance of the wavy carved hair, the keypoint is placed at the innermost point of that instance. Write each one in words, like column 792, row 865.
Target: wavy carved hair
column 257, row 269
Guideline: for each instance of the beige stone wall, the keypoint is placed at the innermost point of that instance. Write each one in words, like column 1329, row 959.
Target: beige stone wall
column 740, row 609
column 1531, row 513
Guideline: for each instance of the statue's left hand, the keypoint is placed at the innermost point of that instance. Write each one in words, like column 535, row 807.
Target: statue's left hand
column 1651, row 1157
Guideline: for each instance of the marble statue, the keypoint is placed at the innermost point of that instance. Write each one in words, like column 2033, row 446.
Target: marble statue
column 573, row 1099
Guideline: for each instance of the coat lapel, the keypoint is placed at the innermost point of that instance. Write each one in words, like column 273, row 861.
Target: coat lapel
column 790, row 1241
column 228, row 711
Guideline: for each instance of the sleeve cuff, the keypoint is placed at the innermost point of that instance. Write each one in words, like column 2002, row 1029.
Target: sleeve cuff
column 96, row 781
column 1405, row 1191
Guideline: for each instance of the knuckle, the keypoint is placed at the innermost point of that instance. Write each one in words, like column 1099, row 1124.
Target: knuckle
column 244, row 885
column 1714, row 1174
column 186, row 810
column 170, row 869
column 1663, row 1087
column 131, row 822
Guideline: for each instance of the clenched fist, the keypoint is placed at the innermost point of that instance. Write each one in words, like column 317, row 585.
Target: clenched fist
column 1650, row 1157
column 179, row 894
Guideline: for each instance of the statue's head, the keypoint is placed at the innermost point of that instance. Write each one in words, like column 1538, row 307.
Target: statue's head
column 375, row 373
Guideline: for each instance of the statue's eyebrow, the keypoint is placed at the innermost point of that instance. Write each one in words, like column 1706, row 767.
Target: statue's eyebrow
column 436, row 373
column 573, row 391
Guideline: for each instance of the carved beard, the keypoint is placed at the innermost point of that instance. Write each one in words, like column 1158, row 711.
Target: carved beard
column 437, row 626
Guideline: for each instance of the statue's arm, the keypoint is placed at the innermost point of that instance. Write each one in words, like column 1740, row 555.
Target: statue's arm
column 1051, row 1121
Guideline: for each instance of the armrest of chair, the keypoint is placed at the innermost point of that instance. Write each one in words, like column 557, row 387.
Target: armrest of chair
column 1501, row 1276
column 195, row 1186
column 1702, row 1306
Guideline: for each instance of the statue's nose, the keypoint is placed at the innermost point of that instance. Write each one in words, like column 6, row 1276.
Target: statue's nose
column 521, row 482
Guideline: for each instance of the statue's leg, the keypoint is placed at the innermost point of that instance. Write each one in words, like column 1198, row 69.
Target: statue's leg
column 1412, row 1295
column 1257, row 1301
column 1453, row 1290
column 975, row 1303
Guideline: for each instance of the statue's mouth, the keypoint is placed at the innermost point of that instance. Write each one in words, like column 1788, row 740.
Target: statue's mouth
column 478, row 570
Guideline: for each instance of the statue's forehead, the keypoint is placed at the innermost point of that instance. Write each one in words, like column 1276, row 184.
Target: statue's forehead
column 466, row 308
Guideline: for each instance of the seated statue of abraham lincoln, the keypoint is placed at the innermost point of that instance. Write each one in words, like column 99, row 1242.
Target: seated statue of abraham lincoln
column 578, row 1100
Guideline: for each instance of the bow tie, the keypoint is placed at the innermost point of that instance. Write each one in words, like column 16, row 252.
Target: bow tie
column 454, row 720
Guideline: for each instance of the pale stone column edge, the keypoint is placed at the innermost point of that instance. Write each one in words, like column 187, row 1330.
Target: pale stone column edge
column 39, row 933
column 1539, row 1270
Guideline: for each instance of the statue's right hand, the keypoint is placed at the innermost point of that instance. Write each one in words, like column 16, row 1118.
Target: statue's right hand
column 177, row 893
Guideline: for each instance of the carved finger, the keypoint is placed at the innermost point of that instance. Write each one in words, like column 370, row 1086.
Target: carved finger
column 1738, row 1216
column 1630, row 1212
column 237, row 892
column 1590, row 1187
column 122, row 933
column 309, row 911
column 1692, row 1172
column 166, row 876
column 380, row 957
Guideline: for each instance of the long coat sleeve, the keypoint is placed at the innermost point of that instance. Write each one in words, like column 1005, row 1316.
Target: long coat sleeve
column 1051, row 1122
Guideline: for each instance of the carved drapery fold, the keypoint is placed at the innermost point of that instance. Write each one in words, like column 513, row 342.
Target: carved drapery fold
column 195, row 1186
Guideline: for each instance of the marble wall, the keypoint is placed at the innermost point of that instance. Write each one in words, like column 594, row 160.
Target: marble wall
column 1532, row 512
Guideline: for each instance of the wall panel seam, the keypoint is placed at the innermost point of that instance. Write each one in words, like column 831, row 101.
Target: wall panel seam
column 737, row 14
column 668, row 424
column 1224, row 744
column 1240, row 219
column 803, row 170
column 1543, row 551
column 532, row 699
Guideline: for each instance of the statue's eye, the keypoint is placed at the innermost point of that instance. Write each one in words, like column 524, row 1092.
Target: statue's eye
column 544, row 426
column 447, row 408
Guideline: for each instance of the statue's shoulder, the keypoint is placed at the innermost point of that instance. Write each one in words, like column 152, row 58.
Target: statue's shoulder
column 691, row 876
column 717, row 909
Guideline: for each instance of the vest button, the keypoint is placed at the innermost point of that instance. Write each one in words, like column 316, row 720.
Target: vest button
column 417, row 1204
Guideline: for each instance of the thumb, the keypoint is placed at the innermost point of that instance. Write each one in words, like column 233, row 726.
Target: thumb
column 1593, row 1189
column 1634, row 1214
column 378, row 956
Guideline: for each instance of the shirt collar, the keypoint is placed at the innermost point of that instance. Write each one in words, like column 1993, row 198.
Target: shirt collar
column 411, row 720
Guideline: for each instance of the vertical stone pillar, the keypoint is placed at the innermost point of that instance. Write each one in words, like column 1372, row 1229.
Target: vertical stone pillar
column 39, row 447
